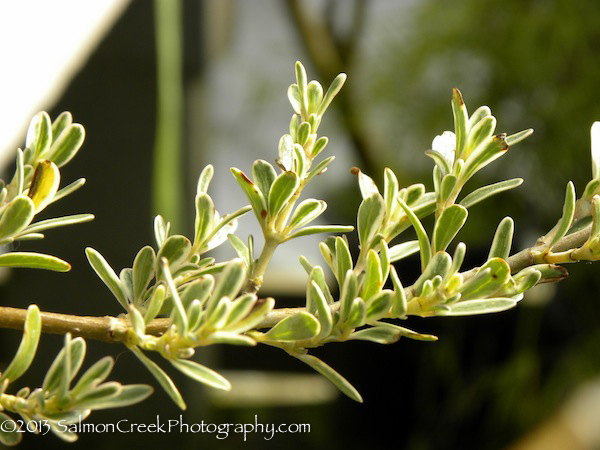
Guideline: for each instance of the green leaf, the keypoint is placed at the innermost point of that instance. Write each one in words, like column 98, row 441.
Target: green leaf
column 373, row 280
column 319, row 146
column 163, row 379
column 26, row 352
column 93, row 399
column 409, row 333
column 481, row 131
column 322, row 308
column 439, row 265
column 67, row 145
column 320, row 229
column 263, row 175
column 155, row 304
column 294, row 97
column 447, row 186
column 400, row 304
column 107, row 275
column 379, row 305
column 64, row 120
column 379, row 335
column 339, row 381
column 479, row 114
column 253, row 193
column 161, row 230
column 448, row 225
column 357, row 315
column 490, row 277
column 240, row 248
column 502, row 239
column 370, row 218
column 126, row 396
column 65, row 366
column 204, row 179
column 343, row 259
column 179, row 317
column 390, row 191
column 424, row 245
column 315, row 95
column 440, row 160
column 518, row 137
column 176, row 250
column 201, row 373
column 318, row 276
column 31, row 260
column 143, row 271
column 307, row 211
column 551, row 273
column 332, row 91
column 92, row 377
column 367, row 185
column 261, row 308
column 526, row 279
column 205, row 214
column 565, row 221
column 457, row 258
column 302, row 135
column 39, row 134
column 17, row 215
column 286, row 150
column 348, row 293
column 218, row 316
column 301, row 79
column 461, row 119
column 227, row 225
column 59, row 222
column 384, row 259
column 9, row 432
column 282, row 189
column 488, row 305
column 487, row 191
column 488, row 151
column 403, row 250
column 297, row 327
column 229, row 283
column 319, row 168
column 240, row 308
column 44, row 185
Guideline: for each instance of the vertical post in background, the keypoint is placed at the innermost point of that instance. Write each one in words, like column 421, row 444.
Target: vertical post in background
column 167, row 173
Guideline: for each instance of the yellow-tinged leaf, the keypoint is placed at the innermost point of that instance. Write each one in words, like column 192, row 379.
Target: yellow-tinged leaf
column 44, row 184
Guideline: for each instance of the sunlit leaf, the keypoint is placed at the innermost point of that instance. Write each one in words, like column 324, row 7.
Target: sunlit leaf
column 201, row 373
column 24, row 356
column 487, row 191
column 502, row 239
column 17, row 215
column 370, row 217
column 448, row 225
column 163, row 379
column 263, row 175
column 339, row 381
column 282, row 189
column 297, row 327
column 30, row 260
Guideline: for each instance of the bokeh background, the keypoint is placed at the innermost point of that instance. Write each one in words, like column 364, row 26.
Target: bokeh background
column 489, row 380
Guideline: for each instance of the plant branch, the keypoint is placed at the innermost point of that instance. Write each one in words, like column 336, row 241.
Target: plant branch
column 115, row 329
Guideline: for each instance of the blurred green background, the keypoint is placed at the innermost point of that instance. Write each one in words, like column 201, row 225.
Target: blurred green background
column 490, row 379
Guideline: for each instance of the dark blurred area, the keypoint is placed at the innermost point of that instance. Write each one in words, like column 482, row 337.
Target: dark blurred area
column 489, row 380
